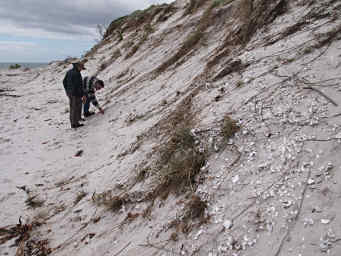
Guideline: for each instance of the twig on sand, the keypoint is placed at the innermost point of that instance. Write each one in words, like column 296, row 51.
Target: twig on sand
column 125, row 247
column 321, row 140
column 160, row 248
column 9, row 95
column 287, row 234
column 322, row 94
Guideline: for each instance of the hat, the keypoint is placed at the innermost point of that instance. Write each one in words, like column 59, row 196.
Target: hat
column 79, row 64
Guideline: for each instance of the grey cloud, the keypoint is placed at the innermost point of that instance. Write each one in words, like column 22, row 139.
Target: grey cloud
column 67, row 17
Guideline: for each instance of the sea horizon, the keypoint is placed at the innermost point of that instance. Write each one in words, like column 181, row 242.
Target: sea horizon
column 6, row 65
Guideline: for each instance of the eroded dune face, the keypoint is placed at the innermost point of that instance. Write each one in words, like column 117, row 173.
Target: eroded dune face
column 221, row 136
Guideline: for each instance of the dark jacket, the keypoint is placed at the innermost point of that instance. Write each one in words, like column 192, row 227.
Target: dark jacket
column 73, row 83
column 89, row 89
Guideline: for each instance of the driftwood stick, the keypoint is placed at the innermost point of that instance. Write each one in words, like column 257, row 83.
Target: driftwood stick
column 322, row 94
column 287, row 234
column 9, row 95
column 125, row 247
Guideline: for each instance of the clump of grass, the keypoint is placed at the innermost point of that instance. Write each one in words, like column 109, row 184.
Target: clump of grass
column 79, row 197
column 239, row 84
column 120, row 35
column 193, row 6
column 194, row 209
column 217, row 3
column 107, row 199
column 116, row 24
column 179, row 162
column 14, row 66
column 132, row 51
column 192, row 40
column 34, row 202
column 254, row 16
column 140, row 17
column 127, row 45
column 148, row 29
column 327, row 37
column 230, row 66
column 116, row 54
column 229, row 127
column 129, row 219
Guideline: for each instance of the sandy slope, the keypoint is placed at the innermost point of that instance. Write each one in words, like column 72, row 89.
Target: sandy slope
column 277, row 181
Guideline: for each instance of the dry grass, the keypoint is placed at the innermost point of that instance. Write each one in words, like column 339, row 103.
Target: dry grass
column 327, row 37
column 147, row 31
column 139, row 18
column 193, row 6
column 190, row 43
column 218, row 3
column 107, row 199
column 79, row 197
column 230, row 67
column 179, row 163
column 229, row 127
column 254, row 16
column 251, row 16
column 25, row 243
column 116, row 54
column 103, row 66
column 34, row 202
column 194, row 209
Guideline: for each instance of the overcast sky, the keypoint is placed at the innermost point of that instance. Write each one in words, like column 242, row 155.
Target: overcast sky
column 45, row 30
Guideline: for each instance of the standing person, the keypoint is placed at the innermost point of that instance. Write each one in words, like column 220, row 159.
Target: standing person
column 73, row 86
column 90, row 86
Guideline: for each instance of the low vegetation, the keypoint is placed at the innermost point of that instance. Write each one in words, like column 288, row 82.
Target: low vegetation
column 14, row 66
column 179, row 162
column 194, row 209
column 24, row 241
column 193, row 6
column 229, row 127
column 139, row 18
column 190, row 43
column 147, row 30
column 108, row 200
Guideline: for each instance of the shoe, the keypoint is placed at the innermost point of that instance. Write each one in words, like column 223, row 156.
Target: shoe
column 89, row 114
column 77, row 125
column 82, row 119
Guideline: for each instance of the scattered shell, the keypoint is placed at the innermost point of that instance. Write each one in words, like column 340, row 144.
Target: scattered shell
column 311, row 181
column 228, row 224
column 325, row 221
column 198, row 234
column 287, row 204
column 235, row 179
column 308, row 222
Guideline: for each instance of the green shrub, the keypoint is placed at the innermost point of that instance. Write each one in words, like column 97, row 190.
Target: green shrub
column 14, row 66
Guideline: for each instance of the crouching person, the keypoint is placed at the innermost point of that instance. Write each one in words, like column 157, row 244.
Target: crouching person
column 91, row 85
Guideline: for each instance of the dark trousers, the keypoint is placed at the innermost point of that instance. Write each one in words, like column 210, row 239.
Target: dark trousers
column 86, row 106
column 75, row 109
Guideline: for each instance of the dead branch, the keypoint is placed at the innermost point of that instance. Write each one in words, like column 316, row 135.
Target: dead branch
column 287, row 234
column 125, row 247
column 322, row 94
column 9, row 95
column 160, row 248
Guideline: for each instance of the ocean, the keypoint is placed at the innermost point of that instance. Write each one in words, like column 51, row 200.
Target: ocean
column 4, row 65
